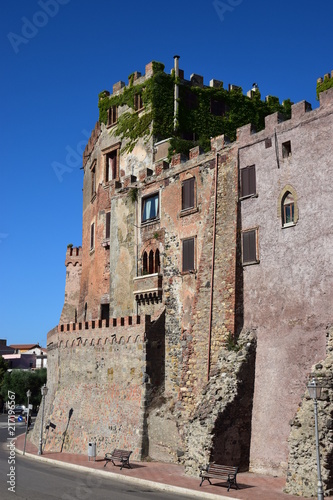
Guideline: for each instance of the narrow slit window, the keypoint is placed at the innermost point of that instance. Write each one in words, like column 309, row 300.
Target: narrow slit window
column 93, row 181
column 107, row 225
column 92, row 236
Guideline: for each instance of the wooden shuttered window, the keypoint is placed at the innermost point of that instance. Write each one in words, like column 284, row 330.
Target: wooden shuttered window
column 188, row 193
column 188, row 255
column 248, row 181
column 107, row 225
column 249, row 247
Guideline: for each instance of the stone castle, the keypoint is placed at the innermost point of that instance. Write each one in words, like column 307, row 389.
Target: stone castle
column 201, row 298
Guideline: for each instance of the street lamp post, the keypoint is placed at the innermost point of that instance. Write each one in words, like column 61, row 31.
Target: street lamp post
column 27, row 422
column 44, row 390
column 315, row 392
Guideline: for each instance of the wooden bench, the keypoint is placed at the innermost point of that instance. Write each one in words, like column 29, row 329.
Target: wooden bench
column 121, row 456
column 216, row 471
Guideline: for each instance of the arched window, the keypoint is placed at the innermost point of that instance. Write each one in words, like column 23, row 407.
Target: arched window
column 151, row 262
column 145, row 264
column 157, row 261
column 288, row 209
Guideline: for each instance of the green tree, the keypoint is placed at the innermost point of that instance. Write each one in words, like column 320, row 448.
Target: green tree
column 19, row 381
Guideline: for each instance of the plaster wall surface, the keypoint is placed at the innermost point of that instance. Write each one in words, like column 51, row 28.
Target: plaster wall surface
column 288, row 295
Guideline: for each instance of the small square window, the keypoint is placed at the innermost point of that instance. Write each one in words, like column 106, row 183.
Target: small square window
column 150, row 207
column 248, row 181
column 250, row 246
column 188, row 255
column 286, row 149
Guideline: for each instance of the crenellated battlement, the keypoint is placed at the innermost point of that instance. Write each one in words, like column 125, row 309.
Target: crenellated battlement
column 91, row 143
column 73, row 256
column 327, row 76
column 126, row 321
column 299, row 111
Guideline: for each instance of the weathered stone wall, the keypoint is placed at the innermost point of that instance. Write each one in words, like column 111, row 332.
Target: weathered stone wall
column 101, row 377
column 220, row 428
column 302, row 465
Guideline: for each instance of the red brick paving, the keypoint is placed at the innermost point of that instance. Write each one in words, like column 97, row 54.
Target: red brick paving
column 252, row 486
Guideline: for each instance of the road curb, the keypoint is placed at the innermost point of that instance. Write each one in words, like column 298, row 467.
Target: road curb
column 128, row 479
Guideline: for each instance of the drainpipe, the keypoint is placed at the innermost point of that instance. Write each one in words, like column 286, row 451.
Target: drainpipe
column 212, row 273
column 176, row 94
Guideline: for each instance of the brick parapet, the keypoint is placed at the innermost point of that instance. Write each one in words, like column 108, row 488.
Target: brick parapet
column 73, row 256
column 91, row 143
column 106, row 326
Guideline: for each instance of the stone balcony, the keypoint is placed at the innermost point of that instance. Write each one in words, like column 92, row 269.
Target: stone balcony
column 148, row 288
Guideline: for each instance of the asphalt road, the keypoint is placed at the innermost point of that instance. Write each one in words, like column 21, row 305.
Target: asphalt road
column 33, row 480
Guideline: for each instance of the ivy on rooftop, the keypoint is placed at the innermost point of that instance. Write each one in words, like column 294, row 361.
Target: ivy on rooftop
column 198, row 121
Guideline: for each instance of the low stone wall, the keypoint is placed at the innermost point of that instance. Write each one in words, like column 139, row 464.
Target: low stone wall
column 220, row 428
column 99, row 394
column 302, row 465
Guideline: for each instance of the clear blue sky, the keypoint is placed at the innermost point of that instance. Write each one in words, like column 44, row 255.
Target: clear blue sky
column 54, row 65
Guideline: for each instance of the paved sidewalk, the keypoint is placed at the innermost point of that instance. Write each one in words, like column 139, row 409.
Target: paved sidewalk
column 168, row 477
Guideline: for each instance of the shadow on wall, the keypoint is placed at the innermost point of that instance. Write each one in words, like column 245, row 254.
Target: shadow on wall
column 232, row 431
column 70, row 413
column 154, row 377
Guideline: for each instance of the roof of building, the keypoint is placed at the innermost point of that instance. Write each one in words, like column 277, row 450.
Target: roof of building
column 24, row 346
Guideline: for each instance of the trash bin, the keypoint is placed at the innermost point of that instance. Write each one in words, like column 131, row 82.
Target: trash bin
column 91, row 451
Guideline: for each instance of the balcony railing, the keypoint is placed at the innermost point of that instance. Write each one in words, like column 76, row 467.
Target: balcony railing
column 148, row 288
